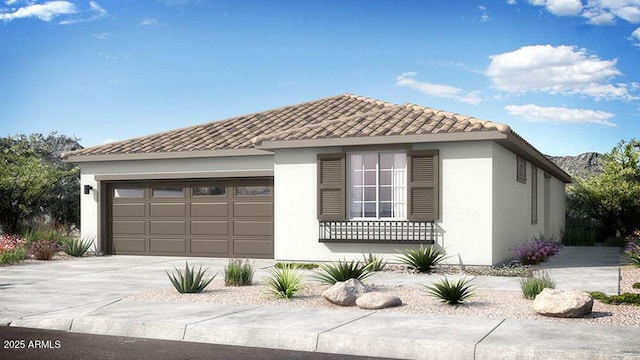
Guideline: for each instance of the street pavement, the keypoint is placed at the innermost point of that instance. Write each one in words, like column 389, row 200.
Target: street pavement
column 86, row 296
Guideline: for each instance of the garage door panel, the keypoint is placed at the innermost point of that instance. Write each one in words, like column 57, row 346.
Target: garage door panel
column 178, row 246
column 168, row 227
column 220, row 218
column 252, row 247
column 129, row 245
column 128, row 210
column 253, row 209
column 252, row 228
column 218, row 209
column 210, row 246
column 202, row 227
column 132, row 227
column 168, row 209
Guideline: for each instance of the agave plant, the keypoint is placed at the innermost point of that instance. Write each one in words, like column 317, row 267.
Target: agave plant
column 374, row 262
column 76, row 246
column 190, row 281
column 284, row 282
column 451, row 293
column 342, row 271
column 423, row 259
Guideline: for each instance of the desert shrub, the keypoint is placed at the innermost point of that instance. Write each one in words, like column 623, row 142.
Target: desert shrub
column 636, row 285
column 374, row 262
column 36, row 234
column 578, row 235
column 238, row 273
column 189, row 280
column 451, row 293
column 533, row 286
column 632, row 250
column 342, row 271
column 284, row 282
column 423, row 259
column 306, row 266
column 76, row 246
column 44, row 249
column 626, row 298
column 536, row 251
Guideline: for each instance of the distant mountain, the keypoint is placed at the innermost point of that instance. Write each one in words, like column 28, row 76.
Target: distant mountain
column 584, row 165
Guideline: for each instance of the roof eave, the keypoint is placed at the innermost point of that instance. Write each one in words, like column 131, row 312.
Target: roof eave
column 164, row 155
column 518, row 145
column 380, row 140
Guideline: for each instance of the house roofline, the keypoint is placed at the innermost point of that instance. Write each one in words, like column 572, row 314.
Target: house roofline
column 520, row 146
column 379, row 140
column 164, row 155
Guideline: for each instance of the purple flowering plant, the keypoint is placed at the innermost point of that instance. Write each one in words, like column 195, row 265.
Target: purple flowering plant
column 536, row 250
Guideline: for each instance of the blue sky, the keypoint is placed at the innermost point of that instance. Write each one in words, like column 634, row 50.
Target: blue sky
column 564, row 74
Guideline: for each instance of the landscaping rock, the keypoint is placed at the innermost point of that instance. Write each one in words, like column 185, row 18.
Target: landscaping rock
column 377, row 300
column 564, row 304
column 345, row 293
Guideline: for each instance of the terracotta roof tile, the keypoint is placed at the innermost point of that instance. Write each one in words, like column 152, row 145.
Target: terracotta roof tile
column 341, row 116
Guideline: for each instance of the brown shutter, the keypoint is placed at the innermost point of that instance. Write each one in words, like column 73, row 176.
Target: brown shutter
column 423, row 183
column 331, row 187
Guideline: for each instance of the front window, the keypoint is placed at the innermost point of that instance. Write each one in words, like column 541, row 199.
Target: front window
column 378, row 185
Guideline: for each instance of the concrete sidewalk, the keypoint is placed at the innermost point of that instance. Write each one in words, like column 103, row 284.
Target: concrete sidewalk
column 85, row 295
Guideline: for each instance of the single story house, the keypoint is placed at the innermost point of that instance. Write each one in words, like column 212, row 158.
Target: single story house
column 323, row 180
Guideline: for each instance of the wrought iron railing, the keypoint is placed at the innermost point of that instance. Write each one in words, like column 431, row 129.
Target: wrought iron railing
column 381, row 231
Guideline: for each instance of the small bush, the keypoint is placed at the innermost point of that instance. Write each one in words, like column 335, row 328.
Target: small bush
column 626, row 298
column 77, row 247
column 306, row 266
column 423, row 259
column 636, row 285
column 238, row 273
column 12, row 256
column 44, row 249
column 342, row 271
column 632, row 250
column 284, row 282
column 533, row 286
column 189, row 281
column 36, row 234
column 451, row 293
column 576, row 235
column 536, row 251
column 374, row 262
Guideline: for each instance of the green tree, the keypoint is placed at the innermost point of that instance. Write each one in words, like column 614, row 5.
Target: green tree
column 610, row 201
column 30, row 173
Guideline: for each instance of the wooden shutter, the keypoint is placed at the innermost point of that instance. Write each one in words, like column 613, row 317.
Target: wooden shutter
column 331, row 187
column 423, row 168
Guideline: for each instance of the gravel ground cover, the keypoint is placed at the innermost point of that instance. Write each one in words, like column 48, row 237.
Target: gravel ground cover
column 485, row 303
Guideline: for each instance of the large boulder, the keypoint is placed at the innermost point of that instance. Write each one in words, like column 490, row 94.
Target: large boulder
column 345, row 293
column 377, row 300
column 563, row 303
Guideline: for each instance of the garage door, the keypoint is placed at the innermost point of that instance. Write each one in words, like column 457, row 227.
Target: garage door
column 196, row 218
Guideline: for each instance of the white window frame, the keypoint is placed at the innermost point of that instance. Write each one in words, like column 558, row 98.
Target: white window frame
column 378, row 186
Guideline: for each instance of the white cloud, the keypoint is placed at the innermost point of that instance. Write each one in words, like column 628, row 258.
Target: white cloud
column 101, row 36
column 484, row 14
column 95, row 12
column 597, row 12
column 635, row 36
column 511, row 2
column 437, row 90
column 148, row 21
column 560, row 7
column 44, row 12
column 556, row 70
column 560, row 115
column 108, row 141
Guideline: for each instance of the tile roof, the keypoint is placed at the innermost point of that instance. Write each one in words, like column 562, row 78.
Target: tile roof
column 342, row 116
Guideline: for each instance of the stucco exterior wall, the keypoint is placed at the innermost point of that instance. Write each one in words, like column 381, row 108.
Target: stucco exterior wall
column 512, row 205
column 464, row 228
column 88, row 171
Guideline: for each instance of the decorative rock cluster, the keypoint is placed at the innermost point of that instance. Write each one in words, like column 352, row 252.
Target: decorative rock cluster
column 352, row 293
column 563, row 304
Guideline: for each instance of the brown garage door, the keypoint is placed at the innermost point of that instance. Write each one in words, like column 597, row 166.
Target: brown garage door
column 195, row 218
